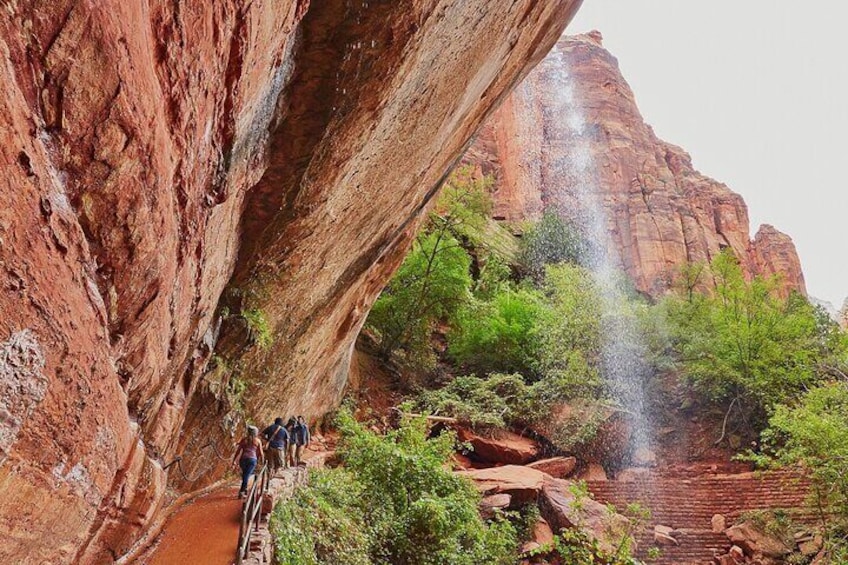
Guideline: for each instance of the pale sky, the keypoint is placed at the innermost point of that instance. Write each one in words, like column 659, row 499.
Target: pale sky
column 757, row 92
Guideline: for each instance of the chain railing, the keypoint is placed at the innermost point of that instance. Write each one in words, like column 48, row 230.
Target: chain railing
column 251, row 512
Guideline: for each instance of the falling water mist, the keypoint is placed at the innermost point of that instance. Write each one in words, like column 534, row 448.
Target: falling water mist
column 580, row 198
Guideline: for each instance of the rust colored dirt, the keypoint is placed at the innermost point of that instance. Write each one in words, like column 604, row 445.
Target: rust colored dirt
column 205, row 531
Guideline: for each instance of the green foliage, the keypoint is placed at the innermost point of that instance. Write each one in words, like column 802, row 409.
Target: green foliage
column 429, row 287
column 395, row 503
column 551, row 241
column 499, row 334
column 745, row 344
column 494, row 402
column 814, row 433
column 258, row 327
column 322, row 523
column 434, row 280
column 569, row 335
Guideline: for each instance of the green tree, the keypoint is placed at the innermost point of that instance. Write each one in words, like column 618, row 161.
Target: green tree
column 814, row 433
column 430, row 286
column 434, row 280
column 550, row 241
column 745, row 346
column 499, row 334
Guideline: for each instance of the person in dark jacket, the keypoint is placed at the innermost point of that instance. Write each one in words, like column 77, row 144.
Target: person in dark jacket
column 278, row 442
column 290, row 426
column 301, row 439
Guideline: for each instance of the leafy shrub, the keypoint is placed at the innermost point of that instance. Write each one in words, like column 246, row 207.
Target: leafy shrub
column 745, row 344
column 498, row 335
column 394, row 503
column 322, row 523
column 550, row 241
column 258, row 327
column 494, row 402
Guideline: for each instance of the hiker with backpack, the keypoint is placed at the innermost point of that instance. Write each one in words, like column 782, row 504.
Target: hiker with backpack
column 278, row 442
column 290, row 452
column 300, row 439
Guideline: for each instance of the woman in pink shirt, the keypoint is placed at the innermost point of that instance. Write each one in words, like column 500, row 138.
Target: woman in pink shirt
column 248, row 455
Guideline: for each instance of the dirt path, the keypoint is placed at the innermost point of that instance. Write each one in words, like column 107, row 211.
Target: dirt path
column 204, row 531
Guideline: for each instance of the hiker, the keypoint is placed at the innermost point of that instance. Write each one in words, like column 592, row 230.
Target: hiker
column 290, row 426
column 301, row 438
column 278, row 443
column 248, row 454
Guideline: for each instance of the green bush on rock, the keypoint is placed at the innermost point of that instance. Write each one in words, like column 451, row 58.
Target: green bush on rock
column 393, row 503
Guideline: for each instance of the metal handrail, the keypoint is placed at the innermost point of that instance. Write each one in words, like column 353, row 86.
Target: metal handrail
column 251, row 512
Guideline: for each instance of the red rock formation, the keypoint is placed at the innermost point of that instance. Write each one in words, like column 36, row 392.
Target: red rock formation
column 507, row 448
column 660, row 212
column 152, row 152
column 773, row 254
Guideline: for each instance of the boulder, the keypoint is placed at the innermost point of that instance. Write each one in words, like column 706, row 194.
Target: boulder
column 810, row 546
column 594, row 472
column 523, row 484
column 644, row 457
column 718, row 523
column 507, row 448
column 489, row 504
column 663, row 535
column 542, row 532
column 755, row 542
column 557, row 467
column 737, row 554
column 733, row 557
column 562, row 508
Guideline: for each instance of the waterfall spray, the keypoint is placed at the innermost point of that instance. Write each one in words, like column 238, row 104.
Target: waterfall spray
column 579, row 197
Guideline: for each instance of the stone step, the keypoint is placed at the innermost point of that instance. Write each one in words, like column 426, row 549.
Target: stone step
column 688, row 504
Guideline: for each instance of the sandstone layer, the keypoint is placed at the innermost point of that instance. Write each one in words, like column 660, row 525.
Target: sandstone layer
column 157, row 153
column 572, row 131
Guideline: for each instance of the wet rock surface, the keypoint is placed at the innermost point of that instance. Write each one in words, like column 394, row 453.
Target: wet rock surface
column 662, row 213
column 156, row 154
column 505, row 448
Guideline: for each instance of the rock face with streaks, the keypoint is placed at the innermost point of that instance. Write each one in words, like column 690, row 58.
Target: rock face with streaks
column 575, row 112
column 200, row 201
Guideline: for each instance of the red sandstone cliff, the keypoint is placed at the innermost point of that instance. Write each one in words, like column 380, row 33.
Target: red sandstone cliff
column 660, row 212
column 156, row 153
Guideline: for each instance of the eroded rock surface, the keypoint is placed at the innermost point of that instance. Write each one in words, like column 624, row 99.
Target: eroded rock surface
column 157, row 153
column 661, row 212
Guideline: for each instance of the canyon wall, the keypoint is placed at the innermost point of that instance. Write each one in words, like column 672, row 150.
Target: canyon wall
column 157, row 156
column 661, row 212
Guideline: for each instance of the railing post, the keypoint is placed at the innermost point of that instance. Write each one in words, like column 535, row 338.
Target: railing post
column 252, row 512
